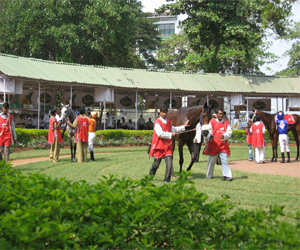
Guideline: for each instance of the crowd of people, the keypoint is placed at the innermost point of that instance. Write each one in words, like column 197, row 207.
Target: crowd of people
column 122, row 124
column 219, row 131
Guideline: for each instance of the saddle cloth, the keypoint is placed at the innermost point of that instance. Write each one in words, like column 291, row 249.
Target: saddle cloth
column 289, row 118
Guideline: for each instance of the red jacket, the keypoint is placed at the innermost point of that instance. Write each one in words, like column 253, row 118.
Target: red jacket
column 83, row 129
column 161, row 147
column 216, row 146
column 249, row 136
column 5, row 130
column 258, row 135
column 52, row 130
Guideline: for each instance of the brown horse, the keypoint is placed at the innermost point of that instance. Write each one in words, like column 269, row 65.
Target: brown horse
column 178, row 118
column 268, row 120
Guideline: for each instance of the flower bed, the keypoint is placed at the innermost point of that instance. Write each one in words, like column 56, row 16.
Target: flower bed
column 38, row 139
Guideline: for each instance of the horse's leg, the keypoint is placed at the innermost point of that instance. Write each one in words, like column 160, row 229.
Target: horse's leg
column 173, row 145
column 273, row 146
column 180, row 150
column 75, row 145
column 276, row 143
column 297, row 139
column 193, row 154
column 71, row 148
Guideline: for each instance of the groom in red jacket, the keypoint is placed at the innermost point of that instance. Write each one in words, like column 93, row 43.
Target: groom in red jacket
column 161, row 146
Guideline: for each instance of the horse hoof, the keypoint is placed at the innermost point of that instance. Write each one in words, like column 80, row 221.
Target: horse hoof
column 73, row 160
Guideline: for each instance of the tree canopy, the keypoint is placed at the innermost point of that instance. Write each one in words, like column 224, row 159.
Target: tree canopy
column 227, row 36
column 294, row 53
column 95, row 32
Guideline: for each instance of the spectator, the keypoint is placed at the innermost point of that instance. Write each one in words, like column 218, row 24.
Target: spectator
column 20, row 123
column 149, row 124
column 118, row 124
column 123, row 124
column 46, row 119
column 141, row 122
column 108, row 121
column 34, row 122
column 130, row 125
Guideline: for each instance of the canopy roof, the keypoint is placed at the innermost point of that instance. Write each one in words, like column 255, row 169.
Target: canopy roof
column 63, row 75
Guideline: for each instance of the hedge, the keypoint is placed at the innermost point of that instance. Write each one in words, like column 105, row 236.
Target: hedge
column 38, row 212
column 26, row 135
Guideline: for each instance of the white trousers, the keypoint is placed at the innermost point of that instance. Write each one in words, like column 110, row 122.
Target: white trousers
column 284, row 143
column 260, row 154
column 211, row 165
column 92, row 136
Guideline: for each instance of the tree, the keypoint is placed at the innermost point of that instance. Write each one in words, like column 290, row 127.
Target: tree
column 100, row 32
column 294, row 53
column 176, row 54
column 227, row 36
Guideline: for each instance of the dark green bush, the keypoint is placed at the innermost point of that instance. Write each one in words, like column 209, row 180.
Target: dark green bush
column 38, row 212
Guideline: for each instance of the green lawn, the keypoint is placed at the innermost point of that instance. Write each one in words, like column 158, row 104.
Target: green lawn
column 247, row 190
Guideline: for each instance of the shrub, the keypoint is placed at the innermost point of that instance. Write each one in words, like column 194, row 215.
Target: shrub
column 38, row 212
column 117, row 137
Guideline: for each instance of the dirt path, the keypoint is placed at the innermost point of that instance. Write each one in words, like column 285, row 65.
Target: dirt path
column 277, row 168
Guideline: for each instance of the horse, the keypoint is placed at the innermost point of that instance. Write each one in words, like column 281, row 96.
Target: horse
column 67, row 113
column 178, row 118
column 268, row 120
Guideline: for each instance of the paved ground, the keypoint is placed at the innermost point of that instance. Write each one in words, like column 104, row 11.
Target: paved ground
column 277, row 168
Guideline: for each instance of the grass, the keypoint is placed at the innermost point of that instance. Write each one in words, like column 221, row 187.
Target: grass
column 247, row 191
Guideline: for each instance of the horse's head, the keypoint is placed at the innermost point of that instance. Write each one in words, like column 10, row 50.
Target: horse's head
column 64, row 112
column 206, row 117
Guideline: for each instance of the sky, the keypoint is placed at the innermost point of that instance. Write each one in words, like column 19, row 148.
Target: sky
column 279, row 47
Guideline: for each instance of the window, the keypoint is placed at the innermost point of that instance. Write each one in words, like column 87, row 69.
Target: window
column 166, row 29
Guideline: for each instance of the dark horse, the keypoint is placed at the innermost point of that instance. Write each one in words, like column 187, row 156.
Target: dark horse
column 268, row 120
column 178, row 118
column 68, row 114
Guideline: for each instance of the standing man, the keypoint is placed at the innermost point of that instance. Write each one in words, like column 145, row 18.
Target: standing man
column 141, row 122
column 249, row 138
column 46, row 119
column 258, row 141
column 92, row 135
column 20, row 121
column 161, row 146
column 7, row 132
column 54, row 136
column 219, row 133
column 282, row 127
column 81, row 136
column 149, row 125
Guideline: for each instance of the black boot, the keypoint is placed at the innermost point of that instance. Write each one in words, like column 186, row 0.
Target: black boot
column 288, row 155
column 282, row 156
column 92, row 155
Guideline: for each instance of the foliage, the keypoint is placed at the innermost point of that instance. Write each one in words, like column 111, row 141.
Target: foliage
column 227, row 36
column 94, row 32
column 38, row 139
column 294, row 53
column 38, row 212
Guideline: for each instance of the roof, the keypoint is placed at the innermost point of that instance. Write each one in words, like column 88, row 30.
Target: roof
column 66, row 74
